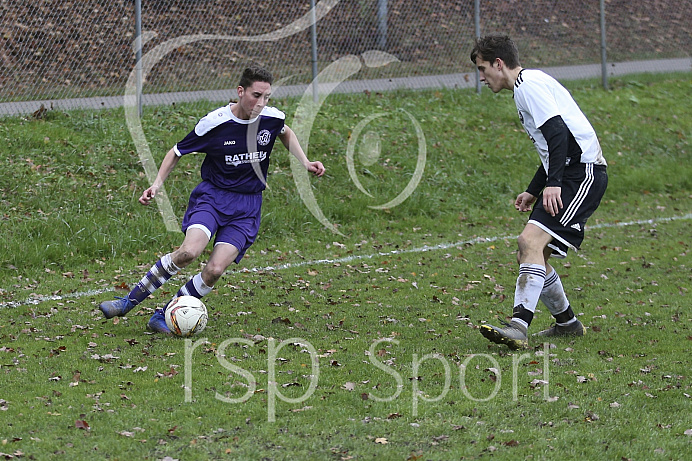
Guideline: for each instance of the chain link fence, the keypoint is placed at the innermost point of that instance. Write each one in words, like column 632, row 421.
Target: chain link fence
column 53, row 50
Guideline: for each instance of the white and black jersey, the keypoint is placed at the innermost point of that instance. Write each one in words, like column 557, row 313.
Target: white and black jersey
column 540, row 98
column 570, row 153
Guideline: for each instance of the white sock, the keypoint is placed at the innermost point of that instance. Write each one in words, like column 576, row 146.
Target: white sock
column 195, row 287
column 553, row 294
column 529, row 286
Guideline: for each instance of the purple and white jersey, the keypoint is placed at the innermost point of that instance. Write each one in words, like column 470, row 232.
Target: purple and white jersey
column 237, row 151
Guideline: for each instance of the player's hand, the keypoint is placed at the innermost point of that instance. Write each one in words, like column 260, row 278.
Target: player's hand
column 147, row 195
column 552, row 200
column 524, row 202
column 316, row 168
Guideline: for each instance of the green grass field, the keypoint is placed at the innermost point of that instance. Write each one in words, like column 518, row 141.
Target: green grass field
column 358, row 345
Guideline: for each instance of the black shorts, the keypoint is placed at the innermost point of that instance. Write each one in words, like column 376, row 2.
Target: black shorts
column 583, row 186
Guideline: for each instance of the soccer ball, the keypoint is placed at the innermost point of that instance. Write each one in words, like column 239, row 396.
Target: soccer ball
column 186, row 316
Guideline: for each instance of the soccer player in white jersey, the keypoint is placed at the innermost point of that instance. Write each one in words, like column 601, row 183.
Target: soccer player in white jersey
column 237, row 140
column 563, row 194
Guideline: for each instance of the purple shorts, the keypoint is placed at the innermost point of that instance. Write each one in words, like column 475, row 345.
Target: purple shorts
column 233, row 217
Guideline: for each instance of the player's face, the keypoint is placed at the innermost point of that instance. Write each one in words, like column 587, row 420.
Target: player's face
column 253, row 99
column 490, row 74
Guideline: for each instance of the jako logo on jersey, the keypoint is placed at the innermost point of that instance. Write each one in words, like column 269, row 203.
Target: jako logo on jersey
column 263, row 137
column 249, row 157
column 576, row 226
column 229, row 143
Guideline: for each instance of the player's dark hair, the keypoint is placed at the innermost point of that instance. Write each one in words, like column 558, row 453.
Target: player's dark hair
column 254, row 74
column 495, row 46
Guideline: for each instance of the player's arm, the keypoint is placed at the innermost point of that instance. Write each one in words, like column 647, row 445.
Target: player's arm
column 538, row 182
column 525, row 200
column 556, row 135
column 290, row 141
column 169, row 162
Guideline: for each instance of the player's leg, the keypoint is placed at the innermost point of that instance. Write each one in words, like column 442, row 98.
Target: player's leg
column 230, row 245
column 555, row 299
column 583, row 186
column 170, row 264
column 196, row 240
column 201, row 284
column 532, row 272
column 236, row 227
column 233, row 237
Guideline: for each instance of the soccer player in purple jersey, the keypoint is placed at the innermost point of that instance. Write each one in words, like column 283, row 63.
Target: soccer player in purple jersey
column 564, row 192
column 237, row 140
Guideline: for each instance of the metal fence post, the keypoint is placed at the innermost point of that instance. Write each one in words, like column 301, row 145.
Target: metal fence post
column 604, row 63
column 382, row 24
column 477, row 21
column 138, row 53
column 313, row 44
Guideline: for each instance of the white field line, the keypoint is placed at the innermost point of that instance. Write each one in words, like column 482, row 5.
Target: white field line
column 442, row 246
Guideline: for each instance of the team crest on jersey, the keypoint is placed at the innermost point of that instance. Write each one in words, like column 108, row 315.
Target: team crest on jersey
column 263, row 137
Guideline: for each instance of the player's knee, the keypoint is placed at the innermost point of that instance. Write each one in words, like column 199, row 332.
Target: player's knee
column 212, row 273
column 183, row 257
column 524, row 245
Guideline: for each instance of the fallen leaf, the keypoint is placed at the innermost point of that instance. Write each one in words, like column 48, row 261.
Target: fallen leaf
column 285, row 321
column 81, row 424
column 123, row 286
column 381, row 440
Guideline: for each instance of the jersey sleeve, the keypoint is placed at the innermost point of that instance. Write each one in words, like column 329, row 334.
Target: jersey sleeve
column 191, row 143
column 538, row 100
column 557, row 136
column 196, row 141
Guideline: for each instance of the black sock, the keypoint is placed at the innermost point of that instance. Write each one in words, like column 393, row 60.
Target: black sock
column 565, row 316
column 522, row 313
